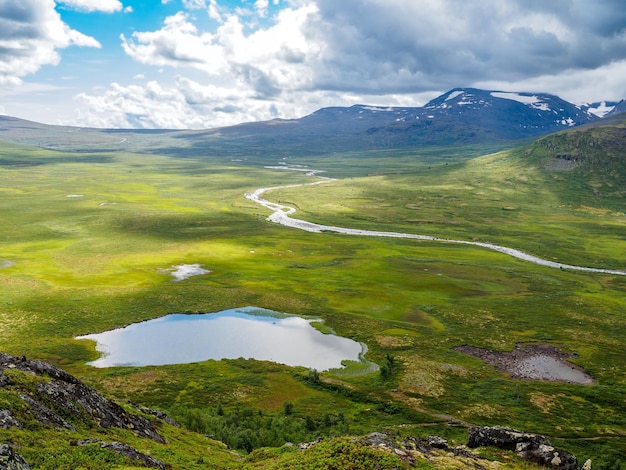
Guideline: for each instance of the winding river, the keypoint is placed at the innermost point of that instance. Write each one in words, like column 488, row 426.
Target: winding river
column 281, row 215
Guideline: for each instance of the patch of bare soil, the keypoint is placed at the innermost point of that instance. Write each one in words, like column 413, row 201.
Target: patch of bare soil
column 532, row 362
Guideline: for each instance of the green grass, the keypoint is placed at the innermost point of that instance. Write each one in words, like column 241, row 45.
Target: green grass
column 73, row 266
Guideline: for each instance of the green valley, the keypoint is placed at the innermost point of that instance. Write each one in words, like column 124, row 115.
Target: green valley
column 87, row 238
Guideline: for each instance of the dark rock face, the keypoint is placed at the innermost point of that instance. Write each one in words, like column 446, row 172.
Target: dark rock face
column 11, row 460
column 532, row 447
column 45, row 415
column 65, row 395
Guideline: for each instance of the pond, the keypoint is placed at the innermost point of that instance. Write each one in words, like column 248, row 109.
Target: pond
column 543, row 367
column 248, row 332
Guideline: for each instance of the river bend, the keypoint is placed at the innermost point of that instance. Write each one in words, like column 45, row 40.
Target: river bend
column 281, row 215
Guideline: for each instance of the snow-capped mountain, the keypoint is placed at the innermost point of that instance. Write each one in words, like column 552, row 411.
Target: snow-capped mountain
column 458, row 117
column 529, row 112
column 462, row 115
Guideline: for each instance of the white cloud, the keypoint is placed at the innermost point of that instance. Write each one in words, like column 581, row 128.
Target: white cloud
column 106, row 6
column 128, row 9
column 177, row 44
column 30, row 35
column 214, row 11
column 279, row 57
column 261, row 7
column 315, row 53
column 194, row 4
column 189, row 104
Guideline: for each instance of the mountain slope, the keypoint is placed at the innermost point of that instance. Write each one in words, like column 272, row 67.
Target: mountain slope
column 459, row 117
column 591, row 158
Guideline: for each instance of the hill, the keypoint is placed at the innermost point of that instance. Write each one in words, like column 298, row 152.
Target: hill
column 591, row 160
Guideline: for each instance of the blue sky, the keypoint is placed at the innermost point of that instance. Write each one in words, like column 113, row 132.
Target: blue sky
column 209, row 63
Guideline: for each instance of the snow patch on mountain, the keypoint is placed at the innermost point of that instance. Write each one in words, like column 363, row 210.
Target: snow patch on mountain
column 600, row 109
column 376, row 108
column 454, row 94
column 529, row 100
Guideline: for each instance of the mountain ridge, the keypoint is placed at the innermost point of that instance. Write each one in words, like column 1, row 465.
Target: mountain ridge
column 460, row 116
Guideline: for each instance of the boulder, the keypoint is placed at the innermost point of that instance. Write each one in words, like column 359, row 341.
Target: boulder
column 531, row 447
column 549, row 456
column 503, row 437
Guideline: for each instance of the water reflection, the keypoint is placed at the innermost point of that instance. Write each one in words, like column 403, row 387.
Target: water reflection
column 247, row 332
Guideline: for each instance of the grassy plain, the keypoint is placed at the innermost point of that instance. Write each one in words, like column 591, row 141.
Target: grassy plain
column 86, row 237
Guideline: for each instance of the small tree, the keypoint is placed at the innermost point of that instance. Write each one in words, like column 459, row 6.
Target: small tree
column 388, row 368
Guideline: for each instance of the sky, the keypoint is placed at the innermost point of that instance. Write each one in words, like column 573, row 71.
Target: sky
column 210, row 63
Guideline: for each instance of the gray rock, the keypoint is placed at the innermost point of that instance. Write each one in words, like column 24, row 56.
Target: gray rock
column 437, row 442
column 123, row 449
column 11, row 460
column 7, row 420
column 134, row 454
column 45, row 415
column 549, row 456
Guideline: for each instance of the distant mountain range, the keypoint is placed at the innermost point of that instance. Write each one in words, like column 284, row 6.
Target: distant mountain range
column 461, row 116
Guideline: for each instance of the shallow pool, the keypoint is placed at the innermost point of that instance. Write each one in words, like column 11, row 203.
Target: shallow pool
column 247, row 332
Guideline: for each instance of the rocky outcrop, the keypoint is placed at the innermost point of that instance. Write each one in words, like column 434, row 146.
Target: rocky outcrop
column 531, row 447
column 11, row 460
column 60, row 399
column 503, row 438
column 125, row 450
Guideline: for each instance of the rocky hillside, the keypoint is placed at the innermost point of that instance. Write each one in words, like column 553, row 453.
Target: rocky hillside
column 50, row 419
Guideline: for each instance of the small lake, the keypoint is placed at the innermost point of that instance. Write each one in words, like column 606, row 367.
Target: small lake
column 248, row 332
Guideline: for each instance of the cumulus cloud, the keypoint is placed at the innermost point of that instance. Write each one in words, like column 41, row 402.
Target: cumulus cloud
column 261, row 62
column 268, row 60
column 106, row 6
column 31, row 32
column 395, row 45
column 190, row 104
